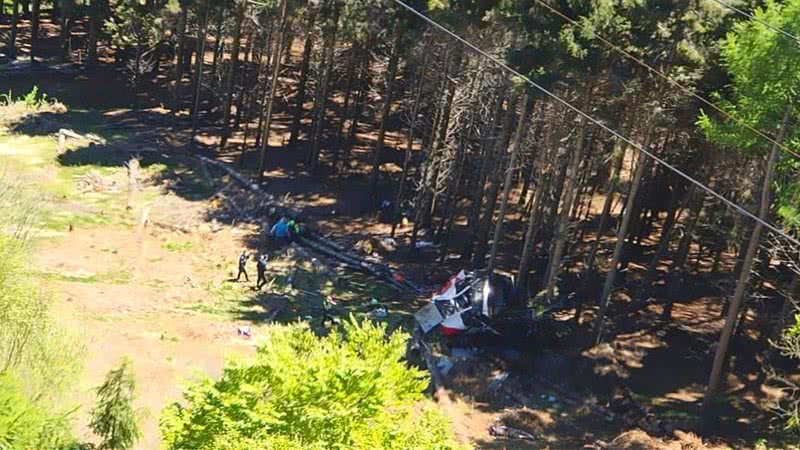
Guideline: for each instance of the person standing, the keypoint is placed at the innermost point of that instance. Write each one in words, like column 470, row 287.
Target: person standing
column 261, row 265
column 243, row 266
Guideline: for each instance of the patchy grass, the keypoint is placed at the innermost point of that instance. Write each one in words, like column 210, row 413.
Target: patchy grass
column 35, row 159
column 178, row 246
column 304, row 295
column 120, row 276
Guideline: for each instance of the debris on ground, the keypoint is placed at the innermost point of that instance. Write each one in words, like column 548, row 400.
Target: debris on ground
column 244, row 331
column 424, row 244
column 444, row 364
column 505, row 432
column 497, row 381
column 94, row 182
column 640, row 440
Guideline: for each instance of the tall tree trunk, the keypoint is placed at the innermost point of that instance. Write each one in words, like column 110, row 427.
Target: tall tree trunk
column 12, row 39
column 276, row 71
column 570, row 192
column 218, row 49
column 95, row 18
column 179, row 59
column 486, row 165
column 244, row 82
column 677, row 269
column 321, row 96
column 663, row 245
column 358, row 109
column 241, row 9
column 66, row 25
column 308, row 47
column 715, row 378
column 258, row 90
column 523, row 271
column 508, row 182
column 429, row 203
column 391, row 74
column 350, row 74
column 478, row 259
column 613, row 187
column 35, row 17
column 622, row 232
column 410, row 142
column 266, row 84
column 199, row 62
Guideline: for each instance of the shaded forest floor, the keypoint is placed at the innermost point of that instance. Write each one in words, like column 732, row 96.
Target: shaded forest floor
column 164, row 297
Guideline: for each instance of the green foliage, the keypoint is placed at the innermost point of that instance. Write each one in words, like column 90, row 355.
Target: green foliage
column 26, row 424
column 114, row 418
column 787, row 409
column 33, row 100
column 134, row 25
column 178, row 246
column 763, row 66
column 347, row 390
column 39, row 360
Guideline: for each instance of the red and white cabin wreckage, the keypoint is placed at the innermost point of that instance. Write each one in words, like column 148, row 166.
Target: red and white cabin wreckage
column 471, row 303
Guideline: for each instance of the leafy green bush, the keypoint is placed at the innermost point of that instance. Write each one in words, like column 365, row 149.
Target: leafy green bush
column 29, row 425
column 348, row 390
column 38, row 360
column 33, row 100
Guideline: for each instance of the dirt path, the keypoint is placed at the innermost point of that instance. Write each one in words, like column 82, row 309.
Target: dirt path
column 135, row 295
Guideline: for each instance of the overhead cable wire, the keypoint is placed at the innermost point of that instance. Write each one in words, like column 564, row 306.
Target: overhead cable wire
column 600, row 124
column 756, row 19
column 674, row 83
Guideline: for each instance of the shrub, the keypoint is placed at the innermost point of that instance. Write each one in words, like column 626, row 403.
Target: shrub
column 38, row 360
column 348, row 390
column 26, row 424
column 114, row 418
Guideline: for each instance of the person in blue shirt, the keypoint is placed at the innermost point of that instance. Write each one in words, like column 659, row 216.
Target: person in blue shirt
column 281, row 229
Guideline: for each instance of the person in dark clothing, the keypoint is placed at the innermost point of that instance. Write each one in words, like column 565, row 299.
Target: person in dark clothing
column 261, row 265
column 243, row 266
column 327, row 314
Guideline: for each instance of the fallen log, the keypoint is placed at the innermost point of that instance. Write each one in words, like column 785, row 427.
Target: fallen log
column 67, row 133
column 233, row 174
column 22, row 68
column 317, row 242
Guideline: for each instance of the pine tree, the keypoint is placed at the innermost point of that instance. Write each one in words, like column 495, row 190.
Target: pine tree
column 114, row 418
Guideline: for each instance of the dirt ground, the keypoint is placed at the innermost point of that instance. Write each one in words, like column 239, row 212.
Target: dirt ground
column 132, row 294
